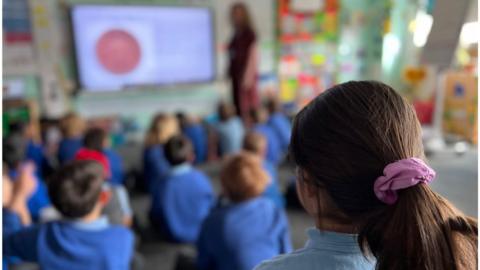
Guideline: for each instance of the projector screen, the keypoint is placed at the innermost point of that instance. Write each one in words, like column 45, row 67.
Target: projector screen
column 118, row 47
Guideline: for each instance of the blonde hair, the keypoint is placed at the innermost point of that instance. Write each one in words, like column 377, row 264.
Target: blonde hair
column 254, row 142
column 243, row 177
column 72, row 125
column 162, row 128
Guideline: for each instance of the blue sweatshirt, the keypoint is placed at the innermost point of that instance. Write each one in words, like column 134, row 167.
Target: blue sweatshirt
column 10, row 223
column 38, row 200
column 273, row 190
column 198, row 136
column 181, row 202
column 282, row 127
column 274, row 150
column 155, row 165
column 73, row 245
column 240, row 236
column 116, row 167
column 68, row 148
column 34, row 153
column 230, row 135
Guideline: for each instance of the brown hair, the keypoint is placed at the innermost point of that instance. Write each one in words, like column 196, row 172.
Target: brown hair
column 72, row 125
column 225, row 111
column 259, row 115
column 254, row 142
column 95, row 139
column 343, row 140
column 243, row 177
column 162, row 128
column 247, row 21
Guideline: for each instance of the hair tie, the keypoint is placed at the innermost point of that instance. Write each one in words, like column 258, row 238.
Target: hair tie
column 401, row 174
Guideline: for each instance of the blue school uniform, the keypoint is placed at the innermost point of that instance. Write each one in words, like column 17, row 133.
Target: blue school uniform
column 155, row 165
column 282, row 127
column 323, row 250
column 68, row 148
column 38, row 200
column 116, row 167
column 73, row 245
column 181, row 202
column 10, row 223
column 274, row 150
column 272, row 191
column 230, row 133
column 198, row 136
column 239, row 236
column 34, row 153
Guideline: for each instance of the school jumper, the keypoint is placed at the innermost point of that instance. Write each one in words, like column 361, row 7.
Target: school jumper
column 272, row 191
column 180, row 204
column 10, row 223
column 73, row 245
column 155, row 166
column 282, row 127
column 198, row 136
column 68, row 148
column 274, row 151
column 116, row 167
column 238, row 236
column 323, row 250
column 230, row 133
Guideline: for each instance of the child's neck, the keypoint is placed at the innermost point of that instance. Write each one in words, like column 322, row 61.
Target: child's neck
column 92, row 216
column 328, row 224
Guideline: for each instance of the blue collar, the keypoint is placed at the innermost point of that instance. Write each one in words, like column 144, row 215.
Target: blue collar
column 96, row 225
column 180, row 169
column 328, row 240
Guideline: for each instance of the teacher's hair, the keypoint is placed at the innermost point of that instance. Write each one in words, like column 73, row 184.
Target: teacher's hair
column 343, row 140
column 247, row 21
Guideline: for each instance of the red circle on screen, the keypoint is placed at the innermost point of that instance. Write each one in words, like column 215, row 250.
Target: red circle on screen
column 118, row 51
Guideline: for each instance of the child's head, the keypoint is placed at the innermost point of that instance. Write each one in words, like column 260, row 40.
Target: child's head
column 243, row 177
column 273, row 105
column 72, row 125
column 162, row 128
column 341, row 143
column 95, row 139
column 76, row 189
column 259, row 115
column 179, row 150
column 14, row 149
column 225, row 111
column 255, row 143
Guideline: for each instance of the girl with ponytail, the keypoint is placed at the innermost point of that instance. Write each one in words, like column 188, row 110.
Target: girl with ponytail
column 362, row 176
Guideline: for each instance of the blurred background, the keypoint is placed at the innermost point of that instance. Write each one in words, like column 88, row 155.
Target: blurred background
column 173, row 57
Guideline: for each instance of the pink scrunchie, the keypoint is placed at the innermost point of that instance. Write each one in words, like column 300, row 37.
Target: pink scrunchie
column 401, row 174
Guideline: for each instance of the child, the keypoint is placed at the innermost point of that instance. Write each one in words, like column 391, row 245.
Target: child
column 94, row 148
column 230, row 130
column 279, row 122
column 358, row 150
column 248, row 228
column 196, row 132
column 155, row 165
column 183, row 199
column 84, row 240
column 72, row 127
column 260, row 118
column 256, row 144
column 14, row 156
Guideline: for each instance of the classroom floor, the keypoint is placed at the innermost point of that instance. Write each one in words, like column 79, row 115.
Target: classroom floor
column 456, row 180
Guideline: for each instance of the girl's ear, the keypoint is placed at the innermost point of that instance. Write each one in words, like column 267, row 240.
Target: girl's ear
column 105, row 197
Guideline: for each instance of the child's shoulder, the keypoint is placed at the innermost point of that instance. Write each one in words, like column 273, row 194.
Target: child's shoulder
column 299, row 260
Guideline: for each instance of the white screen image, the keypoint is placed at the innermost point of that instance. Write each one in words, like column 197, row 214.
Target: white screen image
column 123, row 46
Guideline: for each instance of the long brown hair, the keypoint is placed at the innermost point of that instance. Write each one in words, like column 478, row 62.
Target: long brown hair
column 247, row 21
column 162, row 128
column 343, row 140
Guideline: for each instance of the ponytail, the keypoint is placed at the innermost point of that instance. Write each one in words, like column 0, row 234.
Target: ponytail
column 420, row 231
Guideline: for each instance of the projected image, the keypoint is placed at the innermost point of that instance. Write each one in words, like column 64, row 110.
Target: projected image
column 119, row 47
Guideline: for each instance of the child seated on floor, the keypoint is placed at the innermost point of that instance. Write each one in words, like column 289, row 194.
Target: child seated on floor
column 72, row 127
column 95, row 148
column 274, row 151
column 279, row 122
column 14, row 156
column 155, row 165
column 246, row 227
column 256, row 143
column 184, row 198
column 84, row 240
column 230, row 130
column 196, row 133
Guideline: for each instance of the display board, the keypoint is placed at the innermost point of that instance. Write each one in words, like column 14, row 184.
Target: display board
column 118, row 47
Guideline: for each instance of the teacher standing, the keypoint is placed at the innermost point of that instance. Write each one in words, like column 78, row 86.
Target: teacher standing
column 243, row 61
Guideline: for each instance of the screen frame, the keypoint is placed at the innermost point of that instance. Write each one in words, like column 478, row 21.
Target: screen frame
column 140, row 87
